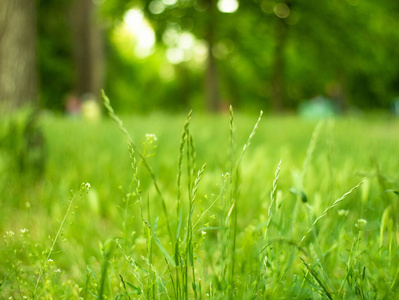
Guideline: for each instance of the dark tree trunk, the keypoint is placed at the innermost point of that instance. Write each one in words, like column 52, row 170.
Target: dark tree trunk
column 19, row 85
column 278, row 74
column 211, row 76
column 211, row 84
column 18, row 58
column 88, row 48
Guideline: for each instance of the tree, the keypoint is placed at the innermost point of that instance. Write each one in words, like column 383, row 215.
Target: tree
column 321, row 48
column 71, row 56
column 18, row 61
column 88, row 48
column 282, row 11
column 200, row 18
column 55, row 52
column 277, row 54
column 21, row 140
column 212, row 75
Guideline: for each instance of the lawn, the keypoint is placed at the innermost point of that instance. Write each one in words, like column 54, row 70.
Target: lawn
column 212, row 207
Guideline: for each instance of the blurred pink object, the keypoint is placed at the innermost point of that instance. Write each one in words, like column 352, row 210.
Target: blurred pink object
column 73, row 105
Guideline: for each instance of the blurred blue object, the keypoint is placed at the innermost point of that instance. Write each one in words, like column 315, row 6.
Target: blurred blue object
column 319, row 107
column 395, row 107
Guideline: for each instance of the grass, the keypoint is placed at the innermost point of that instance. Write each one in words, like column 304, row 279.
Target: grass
column 233, row 207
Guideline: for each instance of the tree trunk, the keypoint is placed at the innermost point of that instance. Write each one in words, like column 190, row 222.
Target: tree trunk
column 19, row 85
column 88, row 48
column 278, row 76
column 18, row 58
column 278, row 69
column 211, row 76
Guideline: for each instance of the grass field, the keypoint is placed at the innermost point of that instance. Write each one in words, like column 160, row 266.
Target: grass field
column 204, row 208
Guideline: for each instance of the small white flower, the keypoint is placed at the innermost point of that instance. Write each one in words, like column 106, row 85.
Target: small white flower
column 50, row 260
column 226, row 175
column 24, row 230
column 86, row 185
column 343, row 212
column 151, row 138
column 10, row 233
column 360, row 223
column 203, row 232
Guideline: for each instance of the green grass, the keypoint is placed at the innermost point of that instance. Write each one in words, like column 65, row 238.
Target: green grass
column 210, row 207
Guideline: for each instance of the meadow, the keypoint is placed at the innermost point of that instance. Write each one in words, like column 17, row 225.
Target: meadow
column 228, row 206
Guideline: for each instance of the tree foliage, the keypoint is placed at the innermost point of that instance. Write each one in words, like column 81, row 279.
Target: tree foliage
column 267, row 54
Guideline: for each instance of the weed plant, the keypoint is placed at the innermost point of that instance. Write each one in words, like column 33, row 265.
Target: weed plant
column 232, row 216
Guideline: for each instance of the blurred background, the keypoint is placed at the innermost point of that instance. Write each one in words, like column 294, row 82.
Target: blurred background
column 297, row 60
column 309, row 56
